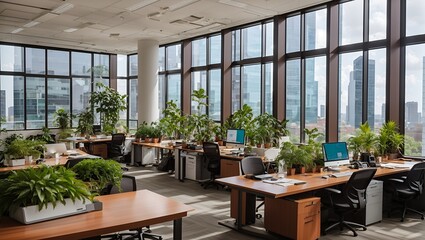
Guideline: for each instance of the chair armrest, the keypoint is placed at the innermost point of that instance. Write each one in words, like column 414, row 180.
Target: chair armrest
column 333, row 190
column 396, row 180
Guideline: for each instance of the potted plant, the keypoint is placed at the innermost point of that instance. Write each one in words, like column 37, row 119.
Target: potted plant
column 390, row 141
column 314, row 140
column 20, row 149
column 242, row 119
column 202, row 125
column 171, row 120
column 62, row 120
column 294, row 157
column 155, row 132
column 267, row 130
column 37, row 194
column 108, row 103
column 85, row 123
column 99, row 174
column 365, row 141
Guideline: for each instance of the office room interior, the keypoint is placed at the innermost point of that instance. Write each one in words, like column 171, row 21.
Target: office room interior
column 276, row 119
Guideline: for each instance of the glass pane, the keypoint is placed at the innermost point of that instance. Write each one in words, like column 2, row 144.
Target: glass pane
column 293, row 34
column 376, row 88
column 161, row 59
column 11, row 58
column 134, row 65
column 236, row 89
column 199, row 80
column 132, row 124
column 414, row 100
column 236, row 45
column 35, row 60
column 214, row 94
column 174, row 57
column 377, row 20
column 12, row 101
column 36, row 103
column 351, row 22
column 350, row 97
column 101, row 60
column 105, row 81
column 57, row 62
column 161, row 94
column 81, row 63
column 174, row 89
column 81, row 90
column 133, row 113
column 199, row 52
column 268, row 81
column 215, row 49
column 415, row 17
column 58, row 96
column 251, row 42
column 122, row 65
column 315, row 29
column 269, row 39
column 122, row 89
column 315, row 93
column 251, row 87
column 293, row 98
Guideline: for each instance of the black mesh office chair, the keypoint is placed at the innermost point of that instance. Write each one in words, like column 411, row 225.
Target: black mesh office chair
column 350, row 199
column 255, row 166
column 406, row 189
column 128, row 184
column 116, row 147
column 72, row 162
column 212, row 155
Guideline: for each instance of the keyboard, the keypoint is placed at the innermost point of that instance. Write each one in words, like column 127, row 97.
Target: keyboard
column 341, row 174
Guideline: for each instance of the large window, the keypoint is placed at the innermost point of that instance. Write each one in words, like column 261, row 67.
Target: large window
column 351, row 22
column 11, row 58
column 81, row 63
column 58, row 97
column 35, row 60
column 35, row 102
column 169, row 75
column 57, row 62
column 12, row 101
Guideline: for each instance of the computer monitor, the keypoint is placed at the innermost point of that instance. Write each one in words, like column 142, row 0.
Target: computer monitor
column 53, row 148
column 335, row 154
column 235, row 138
column 97, row 129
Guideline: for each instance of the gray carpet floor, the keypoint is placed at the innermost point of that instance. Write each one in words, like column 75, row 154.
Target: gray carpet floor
column 212, row 205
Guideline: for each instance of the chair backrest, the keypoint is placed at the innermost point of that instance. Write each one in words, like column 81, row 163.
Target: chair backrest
column 212, row 154
column 415, row 177
column 118, row 138
column 355, row 188
column 72, row 162
column 128, row 184
column 252, row 165
column 116, row 147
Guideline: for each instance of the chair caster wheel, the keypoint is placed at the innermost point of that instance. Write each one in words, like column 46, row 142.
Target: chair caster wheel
column 258, row 216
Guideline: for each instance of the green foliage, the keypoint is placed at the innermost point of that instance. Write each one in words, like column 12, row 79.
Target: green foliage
column 143, row 130
column 156, row 131
column 62, row 119
column 267, row 129
column 19, row 148
column 40, row 186
column 241, row 119
column 85, row 122
column 170, row 123
column 2, row 121
column 99, row 173
column 202, row 125
column 314, row 140
column 412, row 147
column 292, row 155
column 365, row 140
column 390, row 140
column 108, row 103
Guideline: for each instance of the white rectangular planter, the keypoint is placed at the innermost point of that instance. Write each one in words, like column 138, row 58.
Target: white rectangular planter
column 31, row 214
column 15, row 162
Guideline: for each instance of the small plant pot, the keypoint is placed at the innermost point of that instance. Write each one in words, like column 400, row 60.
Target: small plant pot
column 184, row 145
column 392, row 156
column 267, row 145
column 155, row 140
column 148, row 140
column 291, row 171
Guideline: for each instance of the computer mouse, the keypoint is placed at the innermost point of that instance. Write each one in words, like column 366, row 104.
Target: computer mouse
column 325, row 176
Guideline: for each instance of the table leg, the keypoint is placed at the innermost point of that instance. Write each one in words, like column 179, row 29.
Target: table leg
column 177, row 229
column 239, row 219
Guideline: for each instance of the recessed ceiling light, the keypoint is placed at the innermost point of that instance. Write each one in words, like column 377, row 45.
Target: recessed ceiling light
column 17, row 30
column 181, row 4
column 233, row 3
column 141, row 4
column 70, row 30
column 46, row 17
column 31, row 24
column 63, row 8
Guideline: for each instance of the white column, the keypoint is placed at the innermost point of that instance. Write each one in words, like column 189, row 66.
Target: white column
column 147, row 105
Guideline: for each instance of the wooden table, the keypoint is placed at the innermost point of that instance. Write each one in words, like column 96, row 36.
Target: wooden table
column 48, row 161
column 120, row 212
column 138, row 153
column 95, row 146
column 244, row 190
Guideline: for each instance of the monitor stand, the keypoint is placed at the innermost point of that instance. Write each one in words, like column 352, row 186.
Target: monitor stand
column 333, row 169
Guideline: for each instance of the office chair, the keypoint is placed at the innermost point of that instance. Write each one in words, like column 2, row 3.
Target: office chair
column 405, row 189
column 116, row 147
column 212, row 155
column 72, row 162
column 128, row 184
column 255, row 166
column 350, row 199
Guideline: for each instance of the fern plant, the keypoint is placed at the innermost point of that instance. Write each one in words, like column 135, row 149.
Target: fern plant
column 41, row 186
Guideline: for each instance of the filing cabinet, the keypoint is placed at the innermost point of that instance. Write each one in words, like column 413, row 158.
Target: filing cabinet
column 295, row 219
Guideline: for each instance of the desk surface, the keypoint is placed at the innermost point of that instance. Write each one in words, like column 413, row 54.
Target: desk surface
column 120, row 212
column 48, row 161
column 154, row 145
column 313, row 182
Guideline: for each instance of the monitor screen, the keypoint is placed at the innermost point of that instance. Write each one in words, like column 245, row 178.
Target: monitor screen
column 335, row 154
column 235, row 138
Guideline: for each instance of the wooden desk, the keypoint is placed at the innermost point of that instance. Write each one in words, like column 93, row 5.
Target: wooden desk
column 48, row 161
column 244, row 190
column 120, row 212
column 136, row 154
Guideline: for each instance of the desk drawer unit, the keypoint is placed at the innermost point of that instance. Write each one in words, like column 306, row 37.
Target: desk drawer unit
column 295, row 219
column 373, row 211
column 195, row 168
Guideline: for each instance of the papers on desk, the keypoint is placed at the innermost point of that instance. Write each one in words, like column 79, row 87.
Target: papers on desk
column 284, row 181
column 398, row 165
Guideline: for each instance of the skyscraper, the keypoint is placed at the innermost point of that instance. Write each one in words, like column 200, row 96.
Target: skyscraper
column 354, row 109
column 412, row 115
column 3, row 103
